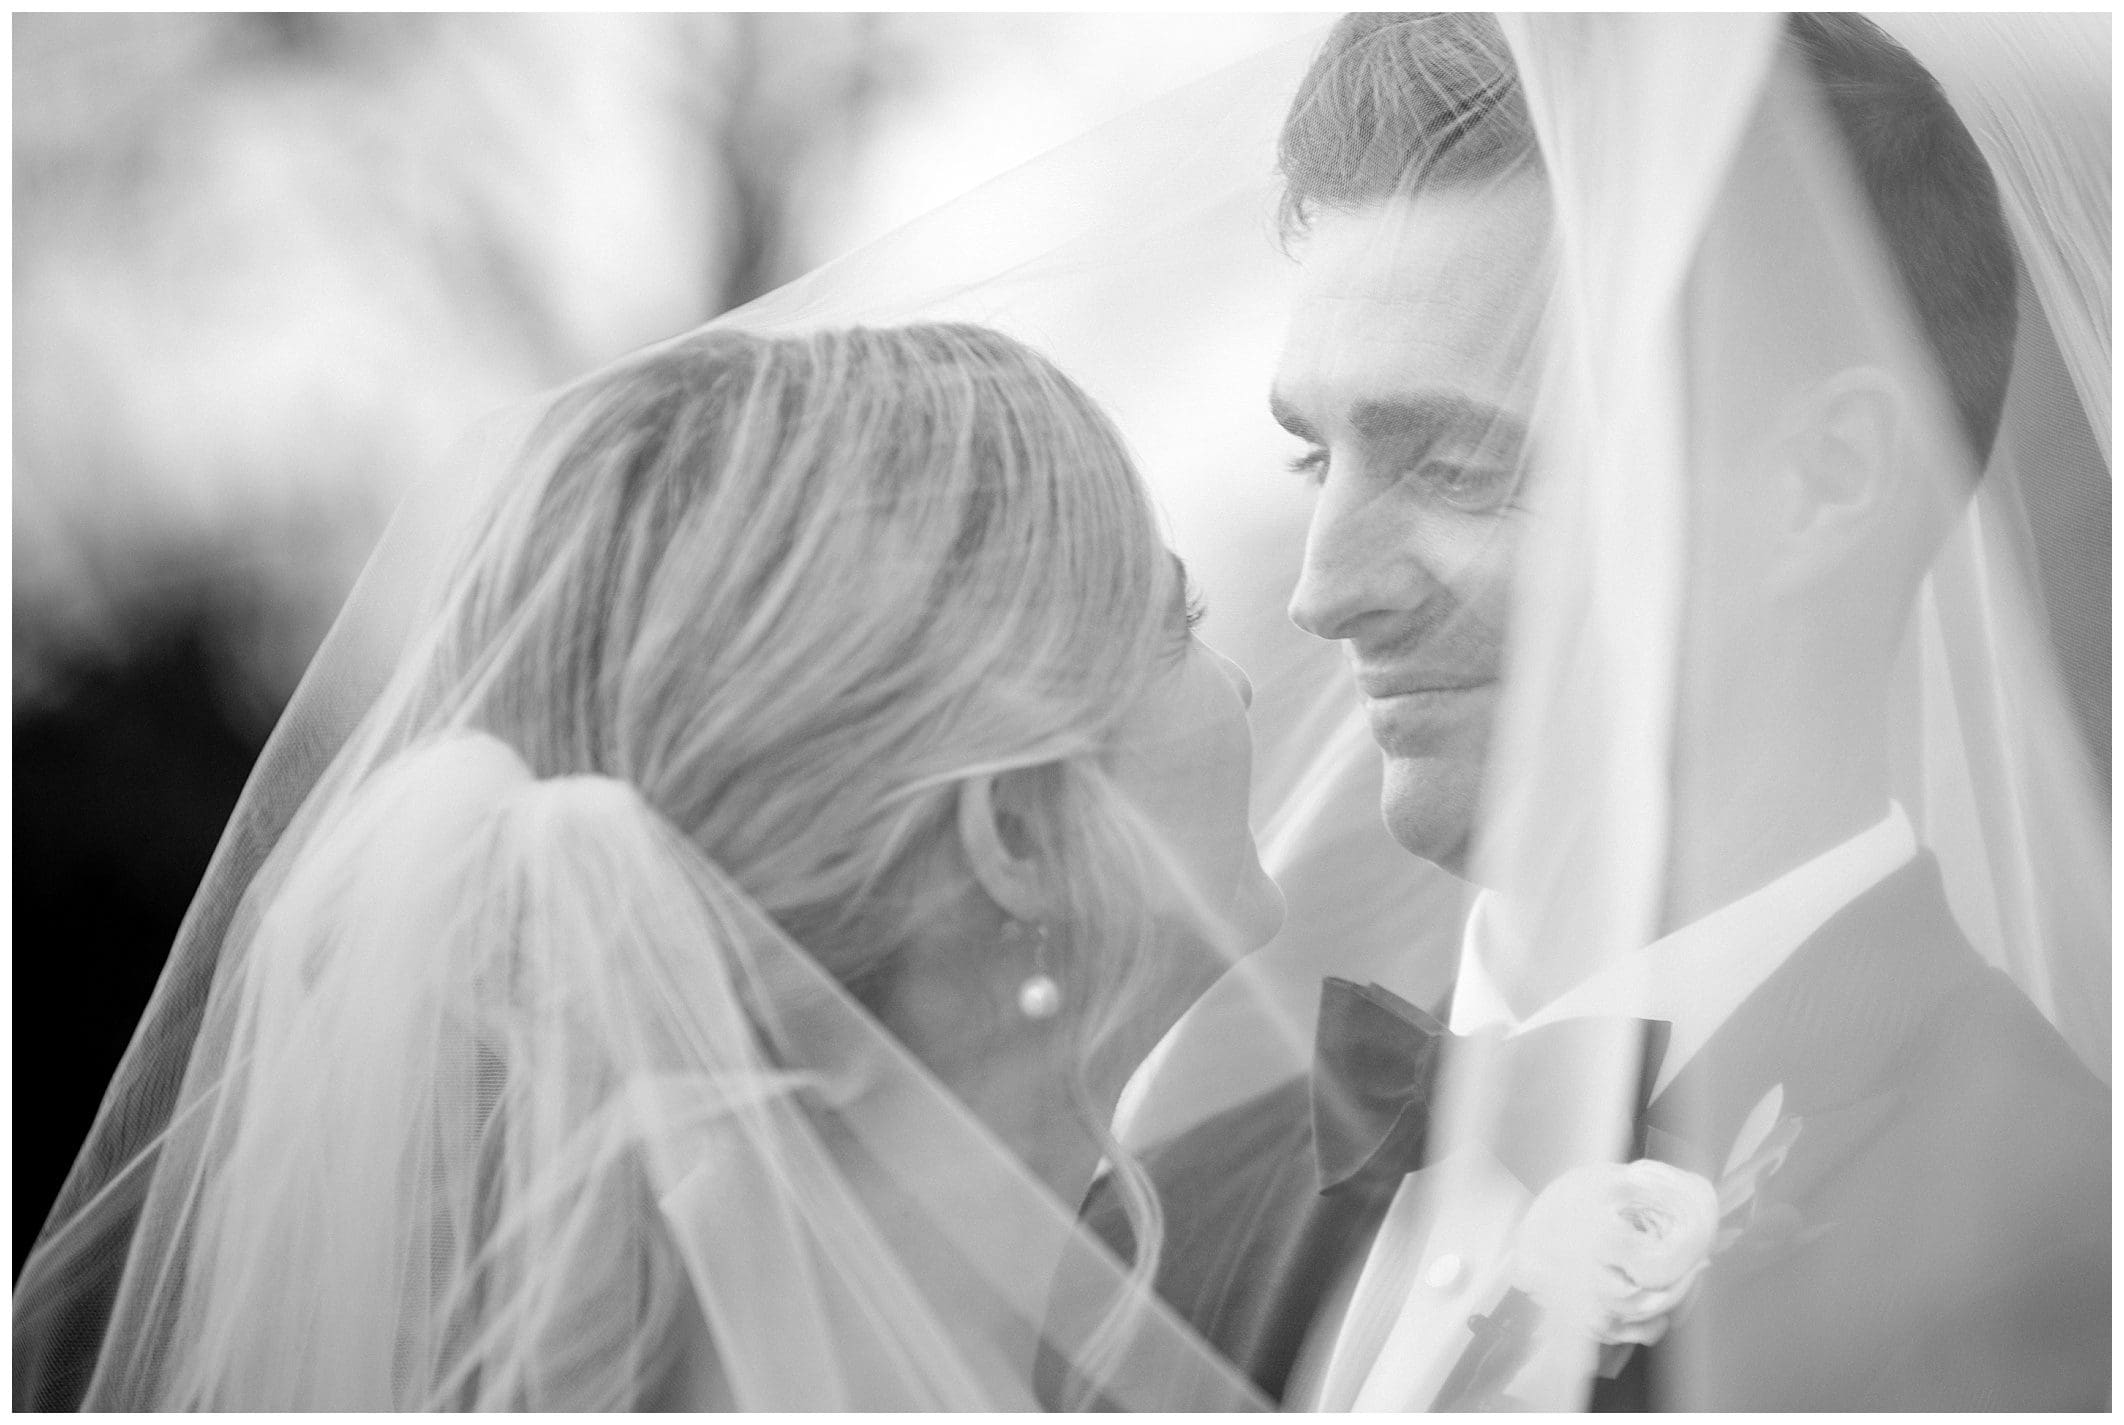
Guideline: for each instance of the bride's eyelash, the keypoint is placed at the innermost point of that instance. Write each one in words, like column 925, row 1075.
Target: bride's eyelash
column 1312, row 465
column 1192, row 609
column 1197, row 610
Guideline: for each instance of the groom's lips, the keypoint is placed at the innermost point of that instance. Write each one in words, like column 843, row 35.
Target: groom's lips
column 1404, row 708
column 1379, row 685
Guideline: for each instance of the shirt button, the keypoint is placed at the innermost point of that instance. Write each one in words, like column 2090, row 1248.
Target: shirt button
column 1445, row 1273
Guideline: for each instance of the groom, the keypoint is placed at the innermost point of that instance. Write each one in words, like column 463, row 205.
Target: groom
column 1952, row 1188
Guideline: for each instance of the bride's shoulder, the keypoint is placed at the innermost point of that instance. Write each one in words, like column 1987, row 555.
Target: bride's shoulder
column 1205, row 1172
column 1274, row 1125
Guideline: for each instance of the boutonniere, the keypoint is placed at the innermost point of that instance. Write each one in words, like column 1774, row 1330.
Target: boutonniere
column 1609, row 1253
column 1612, row 1251
column 1759, row 1150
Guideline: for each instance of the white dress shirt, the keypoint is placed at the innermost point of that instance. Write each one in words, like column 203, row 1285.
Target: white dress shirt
column 1441, row 1251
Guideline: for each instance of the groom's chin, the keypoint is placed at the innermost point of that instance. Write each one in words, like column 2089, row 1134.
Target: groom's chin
column 1429, row 807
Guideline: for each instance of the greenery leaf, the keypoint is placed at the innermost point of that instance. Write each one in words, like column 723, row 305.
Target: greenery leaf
column 1755, row 1129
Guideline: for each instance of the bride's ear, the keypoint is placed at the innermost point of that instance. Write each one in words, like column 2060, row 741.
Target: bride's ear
column 997, row 849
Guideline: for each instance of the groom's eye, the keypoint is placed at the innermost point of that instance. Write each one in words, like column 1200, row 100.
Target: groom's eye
column 1472, row 486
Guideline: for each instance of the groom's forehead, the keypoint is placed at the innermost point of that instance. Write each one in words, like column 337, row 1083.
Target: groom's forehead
column 1406, row 248
column 1443, row 290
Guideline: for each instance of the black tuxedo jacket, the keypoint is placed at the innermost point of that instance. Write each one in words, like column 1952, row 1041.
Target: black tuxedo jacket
column 1950, row 1184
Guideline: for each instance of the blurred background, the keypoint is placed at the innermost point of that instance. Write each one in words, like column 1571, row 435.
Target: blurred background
column 267, row 267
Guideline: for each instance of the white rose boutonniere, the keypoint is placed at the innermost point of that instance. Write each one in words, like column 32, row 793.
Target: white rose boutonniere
column 1609, row 1250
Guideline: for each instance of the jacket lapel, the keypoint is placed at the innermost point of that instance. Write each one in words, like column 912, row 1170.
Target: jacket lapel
column 1831, row 1024
column 1832, row 1027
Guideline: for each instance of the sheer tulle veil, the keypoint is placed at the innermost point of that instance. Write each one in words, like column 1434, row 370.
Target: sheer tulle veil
column 537, row 1055
column 1676, row 724
column 674, row 1125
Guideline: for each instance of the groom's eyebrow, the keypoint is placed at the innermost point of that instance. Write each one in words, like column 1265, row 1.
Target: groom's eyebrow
column 1423, row 417
column 1432, row 416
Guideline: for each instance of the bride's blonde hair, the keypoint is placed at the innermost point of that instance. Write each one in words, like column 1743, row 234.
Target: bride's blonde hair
column 798, row 589
column 505, row 1013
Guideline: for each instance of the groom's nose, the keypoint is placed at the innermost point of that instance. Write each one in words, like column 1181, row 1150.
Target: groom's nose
column 1360, row 563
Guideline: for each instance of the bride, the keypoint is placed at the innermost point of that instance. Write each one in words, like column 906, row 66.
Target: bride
column 705, row 975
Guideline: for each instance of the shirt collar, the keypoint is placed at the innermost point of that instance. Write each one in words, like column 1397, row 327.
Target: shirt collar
column 1697, row 976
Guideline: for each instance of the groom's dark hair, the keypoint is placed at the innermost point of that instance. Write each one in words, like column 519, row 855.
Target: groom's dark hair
column 1396, row 104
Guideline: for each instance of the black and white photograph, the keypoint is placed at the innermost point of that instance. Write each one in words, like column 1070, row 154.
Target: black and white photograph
column 996, row 711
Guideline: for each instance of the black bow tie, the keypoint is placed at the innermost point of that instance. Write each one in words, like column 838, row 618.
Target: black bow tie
column 1376, row 1062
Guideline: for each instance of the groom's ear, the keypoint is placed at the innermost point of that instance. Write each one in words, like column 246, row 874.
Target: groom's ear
column 1844, row 460
column 993, row 838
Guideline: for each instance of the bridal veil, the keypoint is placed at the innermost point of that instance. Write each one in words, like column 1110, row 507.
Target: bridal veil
column 1153, row 261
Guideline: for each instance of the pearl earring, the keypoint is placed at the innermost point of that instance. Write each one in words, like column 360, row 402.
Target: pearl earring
column 1039, row 997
